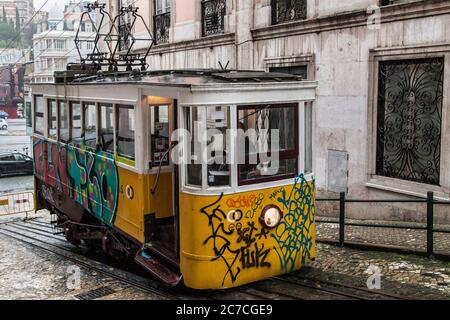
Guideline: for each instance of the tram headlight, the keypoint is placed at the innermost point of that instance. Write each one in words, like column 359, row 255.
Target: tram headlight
column 271, row 216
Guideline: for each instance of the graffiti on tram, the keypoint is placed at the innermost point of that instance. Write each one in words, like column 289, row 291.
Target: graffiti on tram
column 91, row 179
column 241, row 242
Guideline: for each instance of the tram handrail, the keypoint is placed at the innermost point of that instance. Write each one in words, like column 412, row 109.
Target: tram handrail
column 155, row 184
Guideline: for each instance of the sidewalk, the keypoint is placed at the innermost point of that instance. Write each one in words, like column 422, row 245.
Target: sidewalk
column 407, row 238
column 405, row 275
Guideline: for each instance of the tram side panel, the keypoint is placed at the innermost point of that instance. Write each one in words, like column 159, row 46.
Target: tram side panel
column 224, row 243
column 76, row 180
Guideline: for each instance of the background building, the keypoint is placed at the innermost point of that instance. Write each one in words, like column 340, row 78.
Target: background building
column 55, row 48
column 25, row 7
column 381, row 121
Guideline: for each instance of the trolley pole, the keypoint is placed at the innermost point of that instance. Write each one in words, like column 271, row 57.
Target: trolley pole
column 342, row 219
column 430, row 224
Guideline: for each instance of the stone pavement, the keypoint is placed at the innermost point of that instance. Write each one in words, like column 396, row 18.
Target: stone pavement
column 408, row 238
column 27, row 273
column 405, row 275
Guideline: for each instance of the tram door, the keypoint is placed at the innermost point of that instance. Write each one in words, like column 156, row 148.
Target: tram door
column 162, row 173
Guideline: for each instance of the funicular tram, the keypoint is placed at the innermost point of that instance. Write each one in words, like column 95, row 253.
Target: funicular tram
column 107, row 150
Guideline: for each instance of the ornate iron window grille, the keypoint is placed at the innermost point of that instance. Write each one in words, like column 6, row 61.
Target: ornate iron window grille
column 124, row 36
column 288, row 10
column 161, row 26
column 213, row 17
column 409, row 116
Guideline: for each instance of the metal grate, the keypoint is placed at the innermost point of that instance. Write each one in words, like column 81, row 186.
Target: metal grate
column 95, row 294
column 161, row 27
column 288, row 10
column 410, row 103
column 213, row 17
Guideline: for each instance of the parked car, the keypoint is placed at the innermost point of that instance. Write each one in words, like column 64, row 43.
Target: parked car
column 4, row 115
column 3, row 124
column 15, row 164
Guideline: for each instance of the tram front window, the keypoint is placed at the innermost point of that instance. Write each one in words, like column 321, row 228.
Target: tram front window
column 106, row 136
column 125, row 131
column 217, row 124
column 90, row 124
column 262, row 120
column 52, row 119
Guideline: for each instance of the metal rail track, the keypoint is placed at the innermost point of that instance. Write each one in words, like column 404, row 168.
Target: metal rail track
column 301, row 287
column 351, row 292
column 372, row 293
column 128, row 280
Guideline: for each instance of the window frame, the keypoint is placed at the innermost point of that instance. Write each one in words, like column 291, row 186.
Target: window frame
column 283, row 155
column 202, row 21
column 83, row 124
column 394, row 185
column 40, row 114
column 71, row 120
column 58, row 125
column 274, row 7
column 234, row 187
column 166, row 11
column 126, row 158
column 99, row 107
column 49, row 119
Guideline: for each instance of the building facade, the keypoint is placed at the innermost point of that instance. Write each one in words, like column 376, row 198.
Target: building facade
column 381, row 121
column 55, row 47
column 25, row 7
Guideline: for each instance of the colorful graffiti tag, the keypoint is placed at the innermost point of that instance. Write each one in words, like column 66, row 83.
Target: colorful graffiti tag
column 240, row 242
column 246, row 251
column 91, row 179
column 293, row 235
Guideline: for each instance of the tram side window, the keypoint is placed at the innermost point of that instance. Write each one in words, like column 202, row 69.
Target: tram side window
column 39, row 115
column 159, row 130
column 217, row 124
column 90, row 124
column 194, row 168
column 75, row 113
column 64, row 132
column 125, row 131
column 106, row 134
column 261, row 120
column 52, row 119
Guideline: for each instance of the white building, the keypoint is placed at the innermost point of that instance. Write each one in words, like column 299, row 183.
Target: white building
column 55, row 47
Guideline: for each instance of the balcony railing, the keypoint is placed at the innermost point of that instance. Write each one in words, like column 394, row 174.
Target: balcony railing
column 288, row 10
column 213, row 17
column 161, row 25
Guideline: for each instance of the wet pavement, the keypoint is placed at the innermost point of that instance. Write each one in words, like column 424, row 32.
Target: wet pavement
column 30, row 273
column 10, row 185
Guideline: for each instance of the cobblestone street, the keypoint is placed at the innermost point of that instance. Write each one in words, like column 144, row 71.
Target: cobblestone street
column 404, row 274
column 30, row 273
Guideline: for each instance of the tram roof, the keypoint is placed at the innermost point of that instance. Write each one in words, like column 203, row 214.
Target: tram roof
column 184, row 78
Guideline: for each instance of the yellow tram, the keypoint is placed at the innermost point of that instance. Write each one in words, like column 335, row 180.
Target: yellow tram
column 104, row 150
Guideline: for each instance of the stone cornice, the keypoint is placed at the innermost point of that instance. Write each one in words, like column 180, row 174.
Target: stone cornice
column 202, row 43
column 391, row 13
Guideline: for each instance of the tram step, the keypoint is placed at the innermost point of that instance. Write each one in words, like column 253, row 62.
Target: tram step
column 165, row 254
column 157, row 269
